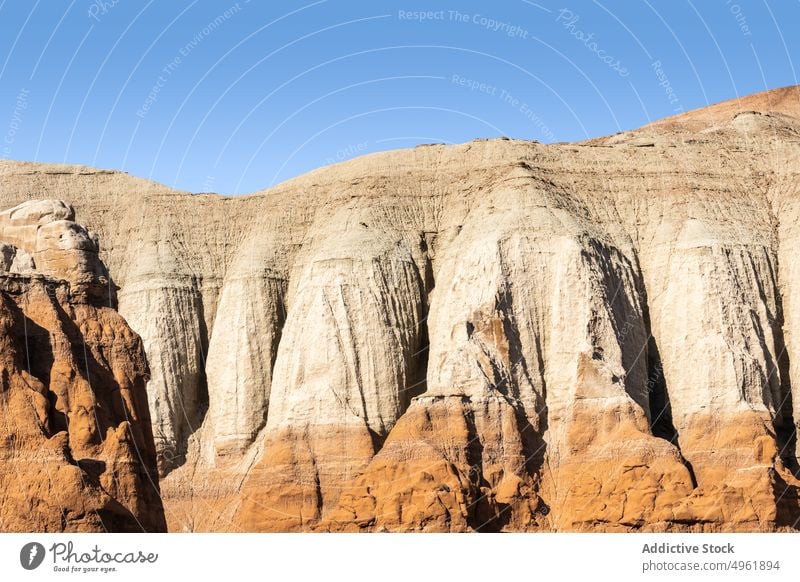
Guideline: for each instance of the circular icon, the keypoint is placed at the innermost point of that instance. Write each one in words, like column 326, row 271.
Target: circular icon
column 31, row 555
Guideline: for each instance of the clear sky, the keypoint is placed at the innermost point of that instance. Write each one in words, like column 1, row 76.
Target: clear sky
column 232, row 97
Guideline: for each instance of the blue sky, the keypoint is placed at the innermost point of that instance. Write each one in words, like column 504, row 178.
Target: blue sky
column 232, row 97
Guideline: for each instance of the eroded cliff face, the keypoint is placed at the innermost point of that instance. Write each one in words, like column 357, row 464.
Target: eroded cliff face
column 76, row 447
column 495, row 336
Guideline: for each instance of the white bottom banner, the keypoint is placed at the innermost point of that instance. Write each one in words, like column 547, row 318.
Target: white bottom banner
column 385, row 557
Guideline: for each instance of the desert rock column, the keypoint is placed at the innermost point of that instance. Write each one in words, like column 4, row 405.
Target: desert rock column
column 77, row 452
column 358, row 298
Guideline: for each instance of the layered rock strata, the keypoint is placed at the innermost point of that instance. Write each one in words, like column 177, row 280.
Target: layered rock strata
column 494, row 336
column 77, row 451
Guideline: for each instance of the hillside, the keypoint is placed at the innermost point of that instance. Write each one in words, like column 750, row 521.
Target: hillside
column 496, row 336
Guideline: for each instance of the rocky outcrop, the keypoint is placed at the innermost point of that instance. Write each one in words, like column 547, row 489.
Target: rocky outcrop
column 76, row 452
column 43, row 237
column 493, row 336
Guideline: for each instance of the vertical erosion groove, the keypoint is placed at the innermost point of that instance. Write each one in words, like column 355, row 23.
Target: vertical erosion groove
column 418, row 364
column 659, row 407
column 202, row 403
column 784, row 421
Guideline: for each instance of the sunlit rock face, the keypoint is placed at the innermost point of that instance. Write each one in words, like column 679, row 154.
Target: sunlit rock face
column 493, row 336
column 76, row 446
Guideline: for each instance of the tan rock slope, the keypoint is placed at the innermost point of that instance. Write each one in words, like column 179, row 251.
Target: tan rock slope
column 494, row 336
column 77, row 451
